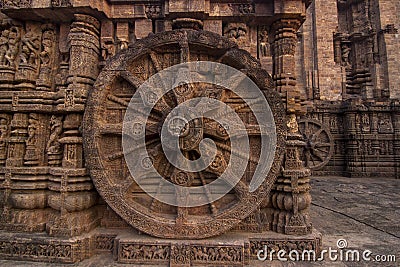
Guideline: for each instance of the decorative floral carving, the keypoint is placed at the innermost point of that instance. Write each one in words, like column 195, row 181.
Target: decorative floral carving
column 15, row 3
column 139, row 252
column 61, row 3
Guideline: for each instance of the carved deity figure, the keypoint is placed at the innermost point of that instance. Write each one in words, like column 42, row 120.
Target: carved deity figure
column 292, row 124
column 4, row 131
column 385, row 125
column 107, row 49
column 32, row 130
column 264, row 46
column 44, row 81
column 153, row 11
column 237, row 32
column 47, row 48
column 30, row 49
column 123, row 43
column 365, row 123
column 32, row 153
column 3, row 46
column 56, row 126
column 345, row 54
column 14, row 38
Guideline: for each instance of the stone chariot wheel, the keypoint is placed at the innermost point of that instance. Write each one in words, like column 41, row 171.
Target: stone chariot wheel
column 110, row 101
column 319, row 143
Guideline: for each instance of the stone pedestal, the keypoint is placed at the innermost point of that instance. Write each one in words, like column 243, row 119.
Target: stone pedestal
column 290, row 198
column 25, row 200
column 129, row 247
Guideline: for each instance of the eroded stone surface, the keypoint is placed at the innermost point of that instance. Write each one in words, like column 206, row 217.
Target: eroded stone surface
column 51, row 54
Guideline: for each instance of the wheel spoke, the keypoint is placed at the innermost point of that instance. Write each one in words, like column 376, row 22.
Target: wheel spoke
column 236, row 152
column 131, row 79
column 154, row 60
column 308, row 162
column 323, row 144
column 316, row 154
column 322, row 150
column 213, row 209
column 316, row 134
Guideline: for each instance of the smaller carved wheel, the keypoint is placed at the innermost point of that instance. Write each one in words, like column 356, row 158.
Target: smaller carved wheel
column 319, row 143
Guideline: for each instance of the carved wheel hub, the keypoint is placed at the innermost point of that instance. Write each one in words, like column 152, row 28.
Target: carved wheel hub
column 109, row 102
column 319, row 143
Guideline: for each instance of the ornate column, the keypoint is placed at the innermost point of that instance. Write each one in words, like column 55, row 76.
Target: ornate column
column 15, row 158
column 284, row 40
column 290, row 198
column 73, row 195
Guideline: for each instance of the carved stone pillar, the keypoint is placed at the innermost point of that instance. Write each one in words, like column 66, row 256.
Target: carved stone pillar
column 25, row 188
column 16, row 146
column 290, row 198
column 352, row 125
column 84, row 39
column 72, row 190
column 284, row 40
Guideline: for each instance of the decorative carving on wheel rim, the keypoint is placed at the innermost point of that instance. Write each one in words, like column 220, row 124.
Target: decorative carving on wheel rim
column 319, row 146
column 114, row 125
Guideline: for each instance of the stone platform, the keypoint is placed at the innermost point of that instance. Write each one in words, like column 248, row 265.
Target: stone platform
column 130, row 247
column 363, row 211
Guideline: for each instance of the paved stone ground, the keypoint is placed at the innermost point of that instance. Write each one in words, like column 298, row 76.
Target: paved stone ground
column 364, row 212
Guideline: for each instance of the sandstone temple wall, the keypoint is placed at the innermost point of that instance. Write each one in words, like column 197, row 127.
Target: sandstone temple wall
column 331, row 73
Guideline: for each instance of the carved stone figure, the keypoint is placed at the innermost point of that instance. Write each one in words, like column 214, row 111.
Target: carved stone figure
column 345, row 54
column 292, row 124
column 108, row 49
column 3, row 46
column 237, row 32
column 44, row 81
column 53, row 145
column 31, row 152
column 264, row 46
column 60, row 3
column 153, row 11
column 28, row 59
column 30, row 49
column 14, row 38
column 385, row 125
column 123, row 43
column 32, row 130
column 9, row 48
column 4, row 134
